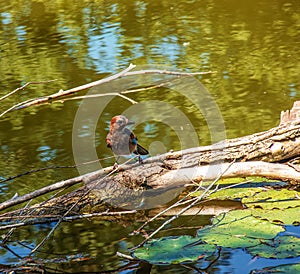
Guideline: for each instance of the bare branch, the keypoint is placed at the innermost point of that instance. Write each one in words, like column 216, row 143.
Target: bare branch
column 24, row 86
column 125, row 72
column 61, row 93
column 40, row 192
column 100, row 95
column 157, row 71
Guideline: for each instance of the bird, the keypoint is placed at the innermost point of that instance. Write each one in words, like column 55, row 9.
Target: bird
column 121, row 140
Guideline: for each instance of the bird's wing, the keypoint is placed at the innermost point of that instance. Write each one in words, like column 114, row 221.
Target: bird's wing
column 140, row 150
column 133, row 139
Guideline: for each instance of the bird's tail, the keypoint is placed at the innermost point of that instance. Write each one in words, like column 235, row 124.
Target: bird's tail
column 140, row 150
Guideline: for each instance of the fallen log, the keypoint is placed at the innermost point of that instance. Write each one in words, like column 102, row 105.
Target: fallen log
column 160, row 179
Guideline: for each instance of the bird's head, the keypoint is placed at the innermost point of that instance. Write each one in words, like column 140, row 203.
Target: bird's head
column 119, row 122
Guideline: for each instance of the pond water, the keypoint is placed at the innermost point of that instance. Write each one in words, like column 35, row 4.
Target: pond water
column 253, row 47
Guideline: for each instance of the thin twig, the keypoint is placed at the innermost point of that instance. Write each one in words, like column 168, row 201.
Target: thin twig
column 125, row 72
column 40, row 192
column 232, row 186
column 70, row 209
column 11, row 231
column 168, row 72
column 162, row 84
column 24, row 86
column 61, row 93
column 13, row 252
column 80, row 88
column 11, row 108
column 124, row 256
column 49, row 218
column 53, row 229
column 178, row 203
column 120, row 94
column 192, row 268
column 100, row 95
column 186, row 208
column 127, row 98
column 58, row 185
column 52, row 167
column 47, row 189
column 215, row 260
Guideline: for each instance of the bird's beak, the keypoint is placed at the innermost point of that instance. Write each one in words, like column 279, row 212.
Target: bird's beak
column 129, row 122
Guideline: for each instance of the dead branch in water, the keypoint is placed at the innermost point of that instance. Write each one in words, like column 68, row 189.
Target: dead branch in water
column 18, row 89
column 179, row 168
column 64, row 93
column 24, row 86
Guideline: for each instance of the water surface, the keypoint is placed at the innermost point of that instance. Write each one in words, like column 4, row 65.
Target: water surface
column 253, row 46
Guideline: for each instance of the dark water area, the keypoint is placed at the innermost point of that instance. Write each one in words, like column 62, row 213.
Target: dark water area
column 252, row 46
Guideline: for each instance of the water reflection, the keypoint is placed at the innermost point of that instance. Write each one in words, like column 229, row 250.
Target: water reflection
column 252, row 45
column 98, row 241
column 46, row 153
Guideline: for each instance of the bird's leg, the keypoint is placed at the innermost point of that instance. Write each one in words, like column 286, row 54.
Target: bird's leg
column 116, row 164
column 140, row 159
column 139, row 156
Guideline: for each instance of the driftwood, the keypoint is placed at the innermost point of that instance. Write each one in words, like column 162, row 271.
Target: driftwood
column 160, row 179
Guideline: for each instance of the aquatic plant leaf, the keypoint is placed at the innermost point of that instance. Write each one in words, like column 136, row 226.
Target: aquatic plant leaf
column 280, row 248
column 288, row 216
column 238, row 228
column 237, row 188
column 234, row 193
column 174, row 250
column 228, row 239
column 286, row 269
column 272, row 198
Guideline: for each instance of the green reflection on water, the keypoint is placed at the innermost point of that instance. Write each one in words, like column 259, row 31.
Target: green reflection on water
column 253, row 46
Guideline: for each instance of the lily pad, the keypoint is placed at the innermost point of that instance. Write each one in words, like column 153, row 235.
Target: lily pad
column 288, row 216
column 282, row 247
column 237, row 229
column 237, row 188
column 273, row 199
column 174, row 250
column 234, row 193
column 228, row 240
column 286, row 269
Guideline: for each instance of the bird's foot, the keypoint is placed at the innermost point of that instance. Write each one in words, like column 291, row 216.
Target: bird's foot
column 116, row 165
column 141, row 160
